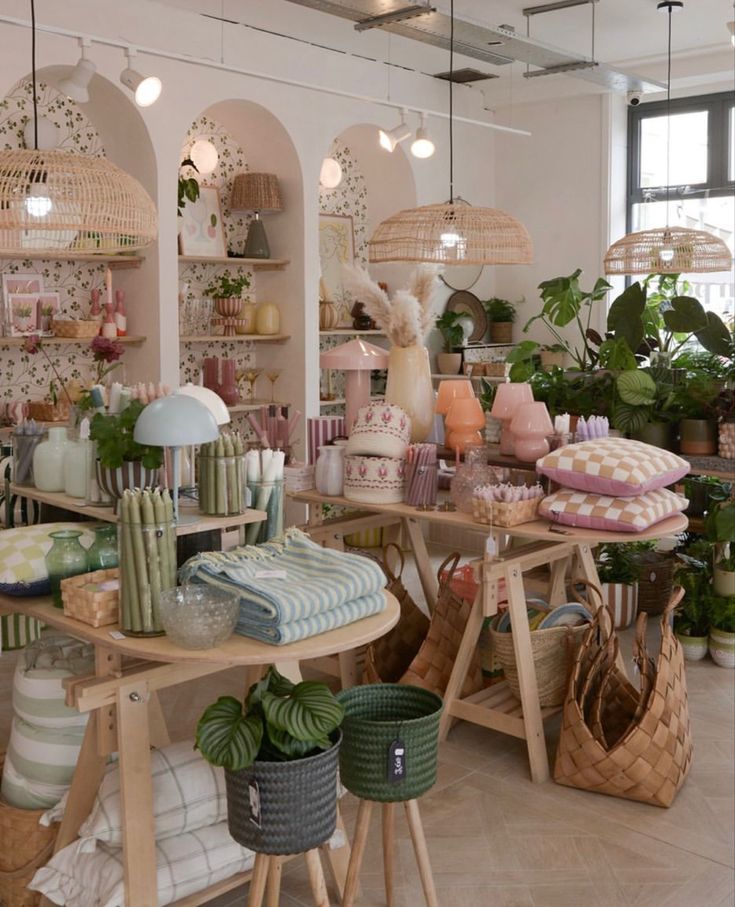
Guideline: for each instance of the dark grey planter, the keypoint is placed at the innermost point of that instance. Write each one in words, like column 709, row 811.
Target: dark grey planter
column 660, row 434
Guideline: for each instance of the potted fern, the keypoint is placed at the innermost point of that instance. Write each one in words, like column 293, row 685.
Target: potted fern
column 692, row 620
column 279, row 751
column 450, row 327
column 501, row 314
column 618, row 573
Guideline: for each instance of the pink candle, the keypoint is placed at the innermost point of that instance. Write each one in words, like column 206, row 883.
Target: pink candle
column 108, row 287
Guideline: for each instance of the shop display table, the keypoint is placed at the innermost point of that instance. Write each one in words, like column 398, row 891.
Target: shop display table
column 125, row 717
column 559, row 547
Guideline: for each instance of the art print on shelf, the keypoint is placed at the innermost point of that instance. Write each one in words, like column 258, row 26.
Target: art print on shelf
column 22, row 313
column 202, row 232
column 336, row 248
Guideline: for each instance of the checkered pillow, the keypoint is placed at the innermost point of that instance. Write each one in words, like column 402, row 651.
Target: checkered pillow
column 614, row 466
column 23, row 556
column 597, row 511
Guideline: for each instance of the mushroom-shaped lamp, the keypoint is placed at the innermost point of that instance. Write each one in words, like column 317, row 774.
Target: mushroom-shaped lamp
column 357, row 359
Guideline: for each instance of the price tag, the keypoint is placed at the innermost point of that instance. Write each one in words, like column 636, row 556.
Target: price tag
column 116, row 634
column 396, row 761
column 254, row 794
column 270, row 574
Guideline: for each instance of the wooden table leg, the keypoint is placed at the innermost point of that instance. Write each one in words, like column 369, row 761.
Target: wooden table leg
column 389, row 824
column 136, row 796
column 422, row 852
column 159, row 731
column 362, row 826
column 558, row 583
column 533, row 723
column 316, row 878
column 275, row 870
column 349, row 671
column 461, row 667
column 423, row 561
column 257, row 882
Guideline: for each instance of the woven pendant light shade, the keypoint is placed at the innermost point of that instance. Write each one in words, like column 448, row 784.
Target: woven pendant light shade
column 58, row 201
column 256, row 192
column 694, row 252
column 451, row 233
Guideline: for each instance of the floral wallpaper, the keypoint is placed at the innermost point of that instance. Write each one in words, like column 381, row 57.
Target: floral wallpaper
column 22, row 376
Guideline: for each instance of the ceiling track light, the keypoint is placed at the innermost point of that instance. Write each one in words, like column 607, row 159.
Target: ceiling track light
column 390, row 138
column 76, row 85
column 146, row 89
column 422, row 146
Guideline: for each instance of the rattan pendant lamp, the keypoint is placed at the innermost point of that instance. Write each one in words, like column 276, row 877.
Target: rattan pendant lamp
column 668, row 250
column 61, row 202
column 452, row 233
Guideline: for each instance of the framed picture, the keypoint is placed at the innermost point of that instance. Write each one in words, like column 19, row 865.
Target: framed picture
column 47, row 307
column 22, row 283
column 22, row 313
column 202, row 230
column 337, row 248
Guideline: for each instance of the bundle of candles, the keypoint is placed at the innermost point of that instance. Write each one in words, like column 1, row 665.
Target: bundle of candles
column 273, row 426
column 594, row 427
column 506, row 504
column 421, row 475
column 148, row 558
column 116, row 398
column 221, row 476
column 26, row 437
column 264, row 475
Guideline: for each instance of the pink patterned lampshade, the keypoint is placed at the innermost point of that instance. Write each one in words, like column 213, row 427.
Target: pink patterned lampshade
column 508, row 399
column 449, row 391
column 530, row 426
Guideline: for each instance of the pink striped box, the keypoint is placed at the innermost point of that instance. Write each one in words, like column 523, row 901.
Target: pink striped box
column 321, row 430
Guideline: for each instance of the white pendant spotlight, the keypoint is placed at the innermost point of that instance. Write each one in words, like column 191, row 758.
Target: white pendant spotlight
column 76, row 85
column 422, row 146
column 391, row 138
column 146, row 89
column 330, row 176
column 204, row 155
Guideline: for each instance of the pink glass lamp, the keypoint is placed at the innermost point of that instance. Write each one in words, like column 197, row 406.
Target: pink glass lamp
column 508, row 400
column 356, row 359
column 464, row 421
column 451, row 390
column 530, row 426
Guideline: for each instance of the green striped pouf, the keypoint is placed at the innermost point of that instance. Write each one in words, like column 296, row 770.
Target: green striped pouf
column 17, row 630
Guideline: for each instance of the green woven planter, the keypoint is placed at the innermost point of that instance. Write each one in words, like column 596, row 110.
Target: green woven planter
column 376, row 716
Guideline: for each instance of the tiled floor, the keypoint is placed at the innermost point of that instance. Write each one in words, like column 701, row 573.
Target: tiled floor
column 497, row 840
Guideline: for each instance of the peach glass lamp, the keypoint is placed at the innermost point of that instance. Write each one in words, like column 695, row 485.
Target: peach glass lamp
column 451, row 390
column 508, row 400
column 530, row 426
column 464, row 421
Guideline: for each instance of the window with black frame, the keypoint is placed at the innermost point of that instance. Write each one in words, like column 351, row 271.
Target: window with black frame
column 701, row 178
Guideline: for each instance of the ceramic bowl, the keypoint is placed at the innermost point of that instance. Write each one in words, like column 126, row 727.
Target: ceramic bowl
column 380, row 430
column 570, row 615
column 374, row 480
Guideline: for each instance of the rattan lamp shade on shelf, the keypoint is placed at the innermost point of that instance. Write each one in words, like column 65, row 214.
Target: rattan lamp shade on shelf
column 59, row 201
column 256, row 192
column 451, row 233
column 668, row 250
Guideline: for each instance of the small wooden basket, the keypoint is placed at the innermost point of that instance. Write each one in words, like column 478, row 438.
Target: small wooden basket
column 502, row 513
column 98, row 609
column 75, row 329
column 46, row 411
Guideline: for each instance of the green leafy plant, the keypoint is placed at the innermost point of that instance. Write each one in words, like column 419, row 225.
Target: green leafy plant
column 721, row 611
column 115, row 441
column 188, row 190
column 719, row 527
column 697, row 396
column 227, row 287
column 278, row 722
column 592, row 394
column 616, row 563
column 500, row 309
column 450, row 327
column 694, row 574
column 486, row 395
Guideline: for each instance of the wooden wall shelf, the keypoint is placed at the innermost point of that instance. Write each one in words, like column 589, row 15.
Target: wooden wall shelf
column 132, row 339
column 236, row 338
column 254, row 264
column 350, row 332
column 114, row 262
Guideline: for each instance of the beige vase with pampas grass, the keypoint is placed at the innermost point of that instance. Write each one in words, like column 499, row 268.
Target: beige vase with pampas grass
column 409, row 386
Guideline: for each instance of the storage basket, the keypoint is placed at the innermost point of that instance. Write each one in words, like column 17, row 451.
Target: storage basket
column 25, row 846
column 376, row 718
column 616, row 740
column 75, row 328
column 298, row 803
column 390, row 656
column 45, row 411
column 655, row 581
column 98, row 609
column 504, row 513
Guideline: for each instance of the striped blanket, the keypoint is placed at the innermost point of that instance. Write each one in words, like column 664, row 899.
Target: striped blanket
column 291, row 588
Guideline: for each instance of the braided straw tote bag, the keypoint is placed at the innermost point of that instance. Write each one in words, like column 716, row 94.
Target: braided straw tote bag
column 615, row 739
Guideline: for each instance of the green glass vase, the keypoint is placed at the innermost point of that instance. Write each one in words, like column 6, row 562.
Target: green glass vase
column 66, row 557
column 102, row 553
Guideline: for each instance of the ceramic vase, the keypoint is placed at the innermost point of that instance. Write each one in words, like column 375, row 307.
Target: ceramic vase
column 227, row 388
column 48, row 461
column 693, row 647
column 75, row 469
column 328, row 315
column 267, row 318
column 723, row 582
column 698, row 437
column 329, row 472
column 409, row 386
column 246, row 321
column 449, row 363
column 132, row 474
column 228, row 309
column 66, row 557
column 102, row 553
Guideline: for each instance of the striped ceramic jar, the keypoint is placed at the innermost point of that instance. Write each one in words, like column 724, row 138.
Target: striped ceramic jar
column 132, row 474
column 722, row 647
column 622, row 602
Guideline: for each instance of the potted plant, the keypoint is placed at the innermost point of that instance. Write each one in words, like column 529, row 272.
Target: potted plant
column 720, row 528
column 450, row 327
column 501, row 314
column 486, row 396
column 695, row 400
column 704, row 491
column 722, row 630
column 188, row 190
column 228, row 302
column 279, row 751
column 691, row 620
column 554, row 355
column 618, row 573
column 122, row 462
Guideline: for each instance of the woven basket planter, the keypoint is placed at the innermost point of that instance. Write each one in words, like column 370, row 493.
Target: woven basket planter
column 298, row 803
column 376, row 716
column 553, row 655
column 114, row 481
column 655, row 581
column 25, row 847
column 501, row 331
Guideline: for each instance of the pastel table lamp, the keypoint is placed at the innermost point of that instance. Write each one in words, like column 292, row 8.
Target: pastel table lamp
column 530, row 426
column 176, row 421
column 508, row 400
column 464, row 421
column 451, row 390
column 356, row 359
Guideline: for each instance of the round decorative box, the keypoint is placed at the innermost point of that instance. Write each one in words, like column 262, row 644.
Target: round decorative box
column 374, row 480
column 380, row 430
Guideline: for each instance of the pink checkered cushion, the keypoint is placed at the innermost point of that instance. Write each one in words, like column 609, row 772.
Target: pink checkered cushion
column 598, row 511
column 614, row 466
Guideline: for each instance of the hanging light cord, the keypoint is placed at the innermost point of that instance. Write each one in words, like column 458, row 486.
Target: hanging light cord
column 33, row 72
column 668, row 122
column 451, row 102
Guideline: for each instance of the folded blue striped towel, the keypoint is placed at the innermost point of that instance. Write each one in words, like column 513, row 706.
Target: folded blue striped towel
column 289, row 580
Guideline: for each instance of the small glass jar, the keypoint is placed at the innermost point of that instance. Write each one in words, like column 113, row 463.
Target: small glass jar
column 103, row 553
column 470, row 474
column 66, row 557
column 267, row 496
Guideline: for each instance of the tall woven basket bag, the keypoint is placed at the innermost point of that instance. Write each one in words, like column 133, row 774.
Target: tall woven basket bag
column 615, row 739
column 24, row 847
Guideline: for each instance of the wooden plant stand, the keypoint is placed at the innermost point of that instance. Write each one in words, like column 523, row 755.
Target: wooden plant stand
column 266, row 880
